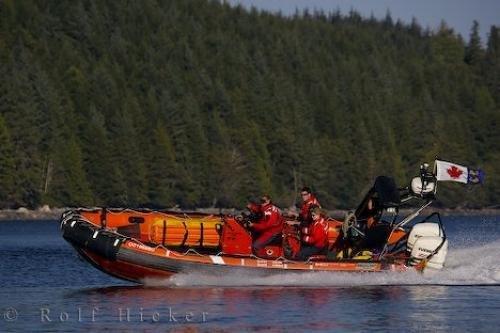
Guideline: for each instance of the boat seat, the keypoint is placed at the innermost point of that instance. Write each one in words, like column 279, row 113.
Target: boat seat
column 276, row 240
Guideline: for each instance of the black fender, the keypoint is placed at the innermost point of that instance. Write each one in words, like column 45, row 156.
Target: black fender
column 87, row 236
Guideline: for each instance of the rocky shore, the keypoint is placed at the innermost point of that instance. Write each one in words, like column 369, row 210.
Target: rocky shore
column 42, row 213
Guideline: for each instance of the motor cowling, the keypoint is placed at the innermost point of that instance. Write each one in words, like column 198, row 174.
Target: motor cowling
column 427, row 241
column 423, row 187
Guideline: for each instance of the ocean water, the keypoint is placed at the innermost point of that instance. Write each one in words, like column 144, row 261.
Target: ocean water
column 45, row 287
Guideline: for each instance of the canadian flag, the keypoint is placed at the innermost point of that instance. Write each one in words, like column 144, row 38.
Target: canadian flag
column 447, row 171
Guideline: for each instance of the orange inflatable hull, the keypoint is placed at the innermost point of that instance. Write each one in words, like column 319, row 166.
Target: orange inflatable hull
column 104, row 238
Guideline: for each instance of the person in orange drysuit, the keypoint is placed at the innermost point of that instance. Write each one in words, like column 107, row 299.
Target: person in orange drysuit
column 309, row 202
column 315, row 236
column 269, row 227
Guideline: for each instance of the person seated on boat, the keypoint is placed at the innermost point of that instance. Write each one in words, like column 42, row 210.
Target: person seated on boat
column 309, row 201
column 269, row 228
column 315, row 236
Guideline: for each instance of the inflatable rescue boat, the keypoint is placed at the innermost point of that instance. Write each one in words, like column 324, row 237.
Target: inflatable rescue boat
column 137, row 244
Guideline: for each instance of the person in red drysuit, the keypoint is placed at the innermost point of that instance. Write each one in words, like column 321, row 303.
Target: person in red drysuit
column 270, row 226
column 309, row 202
column 315, row 236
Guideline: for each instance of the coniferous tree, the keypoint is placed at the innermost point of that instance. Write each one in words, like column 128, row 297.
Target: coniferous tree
column 163, row 174
column 127, row 154
column 69, row 185
column 474, row 52
column 7, row 167
column 492, row 63
column 105, row 177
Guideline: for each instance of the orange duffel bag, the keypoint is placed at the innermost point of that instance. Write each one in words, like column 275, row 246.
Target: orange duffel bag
column 186, row 231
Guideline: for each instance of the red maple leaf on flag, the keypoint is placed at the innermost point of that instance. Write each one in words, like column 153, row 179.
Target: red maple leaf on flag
column 454, row 172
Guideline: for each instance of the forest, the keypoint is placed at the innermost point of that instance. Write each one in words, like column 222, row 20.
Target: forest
column 196, row 103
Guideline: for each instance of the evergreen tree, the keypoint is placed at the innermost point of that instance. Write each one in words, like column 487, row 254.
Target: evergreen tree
column 69, row 185
column 492, row 64
column 127, row 154
column 105, row 177
column 7, row 167
column 474, row 52
column 163, row 173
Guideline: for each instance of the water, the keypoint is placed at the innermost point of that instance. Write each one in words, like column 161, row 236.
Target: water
column 46, row 288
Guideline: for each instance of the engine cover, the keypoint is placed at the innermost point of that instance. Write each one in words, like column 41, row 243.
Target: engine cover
column 419, row 188
column 421, row 230
column 425, row 247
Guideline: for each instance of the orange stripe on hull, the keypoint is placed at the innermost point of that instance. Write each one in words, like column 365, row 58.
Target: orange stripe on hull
column 257, row 263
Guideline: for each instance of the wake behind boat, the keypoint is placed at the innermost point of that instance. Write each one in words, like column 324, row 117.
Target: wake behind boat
column 136, row 245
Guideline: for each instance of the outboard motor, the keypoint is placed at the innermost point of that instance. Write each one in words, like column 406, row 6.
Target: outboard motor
column 427, row 241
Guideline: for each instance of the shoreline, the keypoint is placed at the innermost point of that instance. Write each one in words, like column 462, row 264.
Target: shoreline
column 45, row 213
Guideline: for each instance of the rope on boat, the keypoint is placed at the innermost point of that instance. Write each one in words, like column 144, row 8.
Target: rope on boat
column 142, row 211
column 160, row 246
column 195, row 252
column 190, row 251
